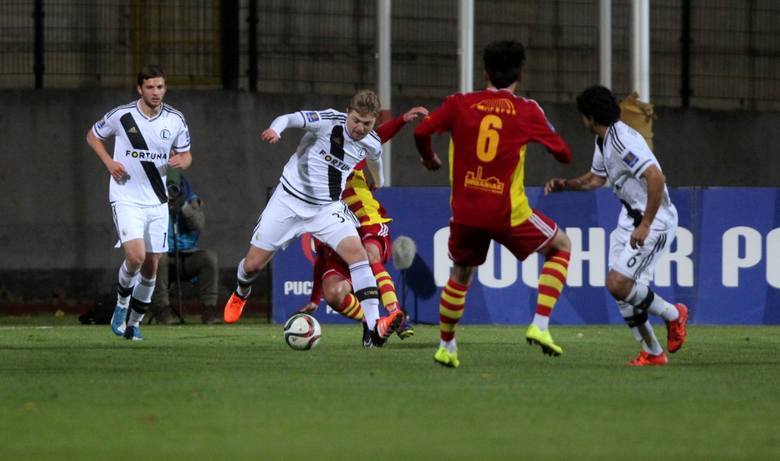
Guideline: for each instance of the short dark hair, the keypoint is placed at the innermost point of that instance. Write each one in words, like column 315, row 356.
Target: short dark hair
column 598, row 102
column 503, row 61
column 150, row 71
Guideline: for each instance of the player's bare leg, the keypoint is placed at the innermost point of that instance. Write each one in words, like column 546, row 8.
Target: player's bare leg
column 248, row 269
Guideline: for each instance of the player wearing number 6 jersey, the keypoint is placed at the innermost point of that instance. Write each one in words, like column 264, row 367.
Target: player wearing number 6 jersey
column 149, row 137
column 490, row 132
column 307, row 199
column 646, row 227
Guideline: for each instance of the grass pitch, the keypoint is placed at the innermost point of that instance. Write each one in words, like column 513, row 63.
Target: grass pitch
column 238, row 392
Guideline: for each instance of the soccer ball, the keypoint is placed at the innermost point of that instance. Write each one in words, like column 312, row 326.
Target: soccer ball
column 302, row 332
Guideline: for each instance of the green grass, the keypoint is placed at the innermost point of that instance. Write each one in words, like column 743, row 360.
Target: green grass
column 238, row 392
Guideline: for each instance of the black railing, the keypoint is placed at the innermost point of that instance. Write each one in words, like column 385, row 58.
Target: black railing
column 298, row 46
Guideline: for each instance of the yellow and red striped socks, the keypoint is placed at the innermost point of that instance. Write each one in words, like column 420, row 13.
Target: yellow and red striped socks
column 386, row 287
column 350, row 307
column 551, row 282
column 453, row 298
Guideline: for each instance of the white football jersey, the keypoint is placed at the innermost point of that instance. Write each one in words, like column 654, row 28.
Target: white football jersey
column 142, row 145
column 317, row 172
column 622, row 157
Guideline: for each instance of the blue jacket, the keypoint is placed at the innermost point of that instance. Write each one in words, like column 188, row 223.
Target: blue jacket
column 182, row 234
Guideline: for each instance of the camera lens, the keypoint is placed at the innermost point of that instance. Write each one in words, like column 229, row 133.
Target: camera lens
column 174, row 190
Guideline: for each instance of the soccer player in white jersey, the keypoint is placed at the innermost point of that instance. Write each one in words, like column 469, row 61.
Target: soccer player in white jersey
column 646, row 227
column 149, row 137
column 307, row 199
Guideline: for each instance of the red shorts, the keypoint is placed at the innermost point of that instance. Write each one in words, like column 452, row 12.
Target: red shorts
column 468, row 245
column 374, row 234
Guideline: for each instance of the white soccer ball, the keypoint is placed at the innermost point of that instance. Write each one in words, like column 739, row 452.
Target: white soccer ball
column 302, row 332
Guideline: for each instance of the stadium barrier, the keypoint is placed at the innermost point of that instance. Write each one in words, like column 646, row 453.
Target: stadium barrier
column 724, row 264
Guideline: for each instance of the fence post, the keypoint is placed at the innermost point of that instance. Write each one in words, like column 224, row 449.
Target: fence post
column 252, row 20
column 38, row 65
column 230, row 45
column 685, row 54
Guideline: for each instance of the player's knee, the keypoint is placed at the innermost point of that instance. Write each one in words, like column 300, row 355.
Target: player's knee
column 352, row 251
column 334, row 294
column 462, row 274
column 135, row 259
column 561, row 242
column 618, row 285
column 373, row 251
column 256, row 260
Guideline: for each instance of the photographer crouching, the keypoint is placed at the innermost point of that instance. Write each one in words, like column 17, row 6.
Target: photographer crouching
column 185, row 262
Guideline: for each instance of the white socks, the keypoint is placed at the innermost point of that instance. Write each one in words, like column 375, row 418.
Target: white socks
column 366, row 291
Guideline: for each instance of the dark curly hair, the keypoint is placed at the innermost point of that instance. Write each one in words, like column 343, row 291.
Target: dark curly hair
column 598, row 102
column 503, row 61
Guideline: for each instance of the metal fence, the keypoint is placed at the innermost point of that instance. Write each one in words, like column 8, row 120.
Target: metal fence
column 719, row 54
column 104, row 43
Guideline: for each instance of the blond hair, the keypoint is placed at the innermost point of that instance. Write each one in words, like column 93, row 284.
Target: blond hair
column 365, row 102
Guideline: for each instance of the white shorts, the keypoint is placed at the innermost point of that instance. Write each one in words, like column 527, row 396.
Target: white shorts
column 638, row 264
column 149, row 223
column 287, row 217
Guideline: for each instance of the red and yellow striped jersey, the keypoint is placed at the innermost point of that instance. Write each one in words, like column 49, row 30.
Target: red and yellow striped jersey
column 490, row 131
column 358, row 197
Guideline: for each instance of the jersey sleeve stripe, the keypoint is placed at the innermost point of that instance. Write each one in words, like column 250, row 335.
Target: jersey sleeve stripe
column 95, row 131
column 617, row 147
column 616, row 140
column 176, row 113
column 126, row 106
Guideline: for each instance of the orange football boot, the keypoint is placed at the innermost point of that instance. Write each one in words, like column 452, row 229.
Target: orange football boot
column 388, row 324
column 645, row 359
column 234, row 308
column 675, row 330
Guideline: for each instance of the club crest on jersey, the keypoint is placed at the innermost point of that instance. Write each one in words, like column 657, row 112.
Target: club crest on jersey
column 630, row 159
column 165, row 134
column 312, row 117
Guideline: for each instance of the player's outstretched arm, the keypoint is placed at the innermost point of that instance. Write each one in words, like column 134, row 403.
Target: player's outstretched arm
column 390, row 128
column 115, row 169
column 586, row 182
column 415, row 113
column 422, row 139
column 273, row 133
column 270, row 136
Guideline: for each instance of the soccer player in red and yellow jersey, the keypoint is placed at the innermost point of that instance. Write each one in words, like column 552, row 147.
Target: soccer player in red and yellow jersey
column 331, row 274
column 490, row 131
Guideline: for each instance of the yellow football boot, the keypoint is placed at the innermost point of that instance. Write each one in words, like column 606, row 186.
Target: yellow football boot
column 542, row 338
column 445, row 358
